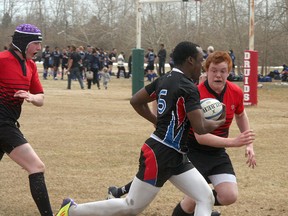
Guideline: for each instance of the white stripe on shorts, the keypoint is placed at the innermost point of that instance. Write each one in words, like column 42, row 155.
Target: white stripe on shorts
column 220, row 178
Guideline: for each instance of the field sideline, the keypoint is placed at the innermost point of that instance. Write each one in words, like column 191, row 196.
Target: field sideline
column 90, row 139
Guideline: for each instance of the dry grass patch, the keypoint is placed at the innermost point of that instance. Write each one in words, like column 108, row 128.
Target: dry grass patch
column 90, row 139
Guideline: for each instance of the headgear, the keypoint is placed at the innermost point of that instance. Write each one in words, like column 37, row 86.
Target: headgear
column 24, row 35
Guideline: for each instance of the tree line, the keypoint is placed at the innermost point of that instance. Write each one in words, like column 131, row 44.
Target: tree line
column 107, row 24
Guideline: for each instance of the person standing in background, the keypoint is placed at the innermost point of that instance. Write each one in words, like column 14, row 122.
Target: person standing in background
column 111, row 59
column 120, row 65
column 56, row 55
column 46, row 55
column 74, row 64
column 64, row 62
column 162, row 59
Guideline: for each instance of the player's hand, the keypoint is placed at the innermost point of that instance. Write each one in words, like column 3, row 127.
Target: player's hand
column 25, row 95
column 249, row 153
column 245, row 138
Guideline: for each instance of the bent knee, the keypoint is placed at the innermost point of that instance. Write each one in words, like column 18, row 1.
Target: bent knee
column 227, row 198
column 132, row 208
column 36, row 168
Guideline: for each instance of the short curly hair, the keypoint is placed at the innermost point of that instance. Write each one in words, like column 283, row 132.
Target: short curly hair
column 218, row 57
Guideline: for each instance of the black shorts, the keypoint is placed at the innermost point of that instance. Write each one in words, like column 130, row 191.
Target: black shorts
column 10, row 137
column 150, row 67
column 211, row 162
column 158, row 162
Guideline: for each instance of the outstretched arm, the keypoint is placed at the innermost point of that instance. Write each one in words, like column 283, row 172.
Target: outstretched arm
column 245, row 138
column 243, row 124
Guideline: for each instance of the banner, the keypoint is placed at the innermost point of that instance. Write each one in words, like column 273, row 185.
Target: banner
column 250, row 78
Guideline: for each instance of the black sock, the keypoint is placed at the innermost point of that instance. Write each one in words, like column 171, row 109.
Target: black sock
column 178, row 211
column 39, row 193
column 216, row 200
column 124, row 190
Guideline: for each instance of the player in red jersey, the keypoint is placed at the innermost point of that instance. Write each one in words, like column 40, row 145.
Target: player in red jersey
column 18, row 82
column 207, row 152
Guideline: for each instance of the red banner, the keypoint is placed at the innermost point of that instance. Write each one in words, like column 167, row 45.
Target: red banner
column 250, row 77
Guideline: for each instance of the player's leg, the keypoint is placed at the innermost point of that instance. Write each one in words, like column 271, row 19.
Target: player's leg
column 225, row 188
column 25, row 156
column 194, row 185
column 212, row 164
column 139, row 197
column 225, row 193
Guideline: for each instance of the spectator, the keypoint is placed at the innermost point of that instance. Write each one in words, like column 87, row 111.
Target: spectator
column 111, row 59
column 64, row 62
column 130, row 66
column 46, row 55
column 120, row 65
column 74, row 64
column 56, row 55
column 105, row 77
column 232, row 56
column 162, row 59
column 150, row 59
column 95, row 65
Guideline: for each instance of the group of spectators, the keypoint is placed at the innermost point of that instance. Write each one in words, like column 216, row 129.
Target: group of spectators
column 95, row 59
column 75, row 62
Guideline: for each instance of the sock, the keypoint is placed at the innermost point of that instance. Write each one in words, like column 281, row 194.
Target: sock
column 39, row 193
column 216, row 200
column 124, row 190
column 178, row 211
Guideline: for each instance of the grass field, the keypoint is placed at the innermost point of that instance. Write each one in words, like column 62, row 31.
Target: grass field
column 90, row 139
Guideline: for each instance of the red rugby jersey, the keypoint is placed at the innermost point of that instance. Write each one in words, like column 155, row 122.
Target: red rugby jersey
column 16, row 74
column 232, row 97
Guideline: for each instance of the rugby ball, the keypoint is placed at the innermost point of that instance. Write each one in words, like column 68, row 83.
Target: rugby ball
column 212, row 108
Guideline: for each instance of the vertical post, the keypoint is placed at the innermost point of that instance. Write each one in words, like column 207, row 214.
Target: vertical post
column 138, row 23
column 251, row 25
column 251, row 65
column 137, row 70
column 138, row 54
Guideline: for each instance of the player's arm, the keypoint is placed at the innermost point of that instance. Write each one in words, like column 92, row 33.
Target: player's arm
column 245, row 138
column 70, row 62
column 243, row 125
column 201, row 125
column 139, row 102
column 35, row 99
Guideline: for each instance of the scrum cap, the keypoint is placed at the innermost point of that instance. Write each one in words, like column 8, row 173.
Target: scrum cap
column 24, row 35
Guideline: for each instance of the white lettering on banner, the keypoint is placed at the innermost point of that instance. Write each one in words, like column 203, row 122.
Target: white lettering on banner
column 247, row 71
column 247, row 64
column 247, row 55
column 246, row 89
column 246, row 79
column 246, row 97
